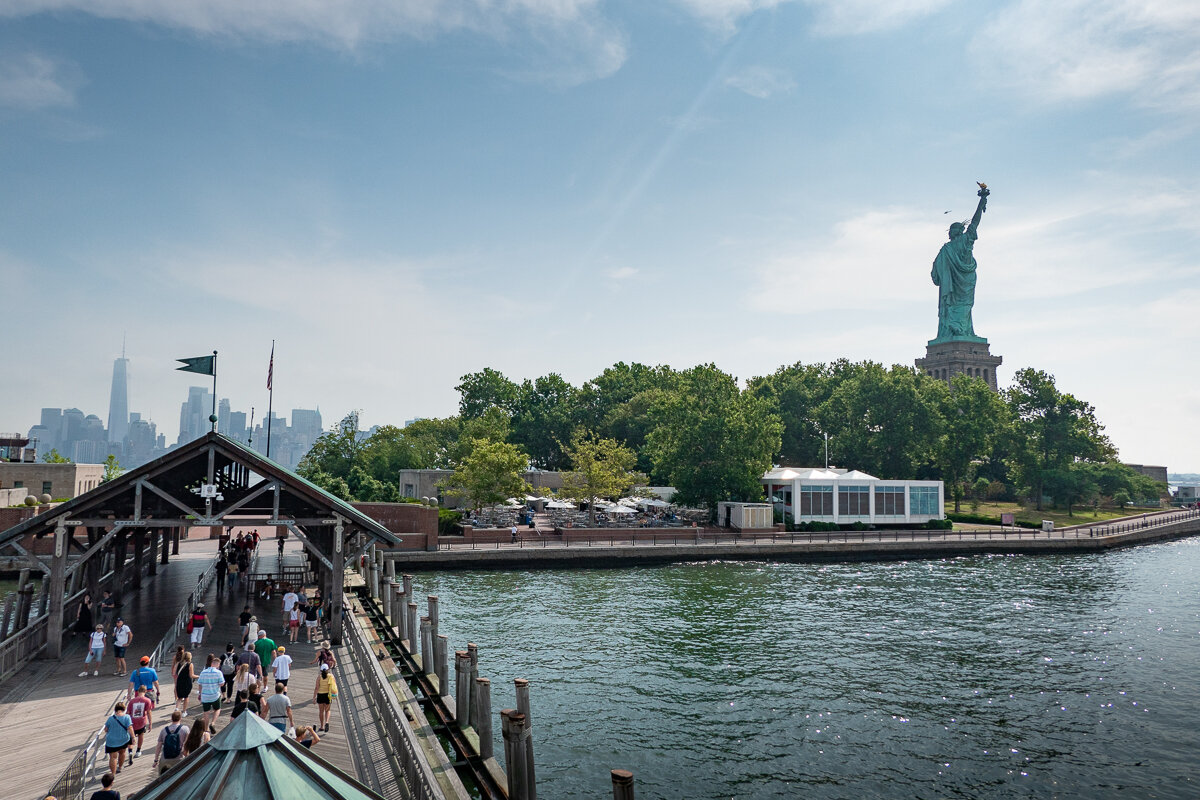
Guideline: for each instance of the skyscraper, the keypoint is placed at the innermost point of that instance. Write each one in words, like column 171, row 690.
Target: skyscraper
column 118, row 401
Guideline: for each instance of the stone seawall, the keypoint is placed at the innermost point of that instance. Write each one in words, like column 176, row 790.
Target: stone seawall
column 836, row 547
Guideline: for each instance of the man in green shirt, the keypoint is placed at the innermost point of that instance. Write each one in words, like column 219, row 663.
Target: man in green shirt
column 265, row 648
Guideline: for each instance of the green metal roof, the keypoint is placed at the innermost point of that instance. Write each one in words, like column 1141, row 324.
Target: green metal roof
column 251, row 760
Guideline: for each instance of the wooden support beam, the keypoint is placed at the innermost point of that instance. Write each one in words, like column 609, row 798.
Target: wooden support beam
column 139, row 557
column 309, row 545
column 119, row 557
column 153, row 552
column 337, row 583
column 265, row 487
column 58, row 580
column 185, row 509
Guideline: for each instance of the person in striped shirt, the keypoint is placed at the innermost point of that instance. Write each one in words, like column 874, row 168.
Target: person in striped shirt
column 211, row 682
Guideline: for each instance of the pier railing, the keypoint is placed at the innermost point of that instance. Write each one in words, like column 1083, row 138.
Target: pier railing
column 72, row 783
column 690, row 537
column 400, row 739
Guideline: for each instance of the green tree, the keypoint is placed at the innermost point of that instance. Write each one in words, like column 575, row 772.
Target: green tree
column 434, row 442
column 795, row 393
column 479, row 391
column 1121, row 498
column 335, row 452
column 971, row 416
column 1053, row 431
column 55, row 457
column 545, row 414
column 388, row 451
column 112, row 469
column 600, row 468
column 493, row 472
column 711, row 441
column 884, row 422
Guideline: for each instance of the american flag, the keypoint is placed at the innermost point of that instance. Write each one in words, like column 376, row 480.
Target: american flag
column 271, row 367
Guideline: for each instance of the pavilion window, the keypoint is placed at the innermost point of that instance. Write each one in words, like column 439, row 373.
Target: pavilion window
column 889, row 501
column 854, row 501
column 816, row 501
column 923, row 500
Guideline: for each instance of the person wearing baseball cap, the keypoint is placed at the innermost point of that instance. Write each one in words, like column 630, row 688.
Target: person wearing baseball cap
column 144, row 677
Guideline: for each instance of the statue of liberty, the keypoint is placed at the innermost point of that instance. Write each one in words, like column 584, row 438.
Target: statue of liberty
column 954, row 275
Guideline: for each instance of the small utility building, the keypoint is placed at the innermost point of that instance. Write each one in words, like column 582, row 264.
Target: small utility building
column 848, row 496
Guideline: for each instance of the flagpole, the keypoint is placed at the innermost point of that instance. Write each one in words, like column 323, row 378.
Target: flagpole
column 213, row 417
column 270, row 395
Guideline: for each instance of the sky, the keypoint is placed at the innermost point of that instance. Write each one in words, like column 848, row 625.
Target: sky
column 399, row 192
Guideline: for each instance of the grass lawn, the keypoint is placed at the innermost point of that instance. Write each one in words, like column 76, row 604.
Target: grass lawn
column 1031, row 514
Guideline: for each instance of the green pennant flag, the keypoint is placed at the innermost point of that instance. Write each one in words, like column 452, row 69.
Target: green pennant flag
column 201, row 364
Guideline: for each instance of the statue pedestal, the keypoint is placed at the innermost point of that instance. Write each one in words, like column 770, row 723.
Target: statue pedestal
column 945, row 358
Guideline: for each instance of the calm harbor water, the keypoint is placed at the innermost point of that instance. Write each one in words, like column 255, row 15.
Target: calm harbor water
column 981, row 677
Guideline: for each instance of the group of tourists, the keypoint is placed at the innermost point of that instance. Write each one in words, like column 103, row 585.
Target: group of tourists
column 250, row 676
column 233, row 560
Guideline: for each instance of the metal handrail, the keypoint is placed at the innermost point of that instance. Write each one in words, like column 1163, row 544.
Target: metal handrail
column 694, row 536
column 401, row 739
column 73, row 780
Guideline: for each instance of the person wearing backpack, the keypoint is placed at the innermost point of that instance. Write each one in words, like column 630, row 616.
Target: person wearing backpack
column 170, row 744
column 229, row 663
column 144, row 677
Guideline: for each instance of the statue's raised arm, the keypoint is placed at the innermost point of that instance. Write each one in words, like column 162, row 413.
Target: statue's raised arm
column 979, row 209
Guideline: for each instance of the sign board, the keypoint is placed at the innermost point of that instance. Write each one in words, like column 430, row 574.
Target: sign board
column 1008, row 519
column 1047, row 524
column 208, row 490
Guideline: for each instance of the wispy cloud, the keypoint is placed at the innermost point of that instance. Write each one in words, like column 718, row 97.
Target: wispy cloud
column 1082, row 49
column 761, row 82
column 37, row 81
column 622, row 273
column 830, row 17
column 571, row 36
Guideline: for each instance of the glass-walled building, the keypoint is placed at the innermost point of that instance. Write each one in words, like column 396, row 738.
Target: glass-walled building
column 848, row 496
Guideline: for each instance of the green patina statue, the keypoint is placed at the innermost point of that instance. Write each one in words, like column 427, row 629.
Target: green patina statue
column 954, row 275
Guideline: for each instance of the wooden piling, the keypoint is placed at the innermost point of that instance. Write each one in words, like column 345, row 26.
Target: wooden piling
column 622, row 782
column 522, row 686
column 400, row 604
column 433, row 615
column 427, row 665
column 440, row 645
column 414, row 635
column 473, row 653
column 387, row 602
column 10, row 604
column 462, row 688
column 24, row 600
column 481, row 714
column 512, row 724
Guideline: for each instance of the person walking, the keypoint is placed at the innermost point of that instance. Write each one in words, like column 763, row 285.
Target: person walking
column 281, row 667
column 211, row 683
column 221, row 568
column 122, row 636
column 250, row 658
column 197, row 738
column 197, row 624
column 144, row 677
column 279, row 709
column 105, row 792
column 310, row 620
column 229, row 663
column 290, row 598
column 141, row 710
column 83, row 617
column 185, row 675
column 323, row 694
column 294, row 617
column 118, row 735
column 251, row 634
column 265, row 648
column 244, row 621
column 233, row 571
column 95, row 651
column 171, row 738
column 324, row 655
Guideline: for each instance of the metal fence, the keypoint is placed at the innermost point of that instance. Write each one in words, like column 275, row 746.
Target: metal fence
column 73, row 780
column 400, row 737
column 692, row 537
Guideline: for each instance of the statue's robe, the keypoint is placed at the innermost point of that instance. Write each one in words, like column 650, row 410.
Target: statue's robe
column 954, row 275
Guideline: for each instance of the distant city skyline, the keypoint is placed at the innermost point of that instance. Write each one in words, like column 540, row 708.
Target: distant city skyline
column 84, row 438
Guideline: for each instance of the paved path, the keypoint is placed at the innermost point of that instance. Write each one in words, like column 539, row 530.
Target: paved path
column 48, row 712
